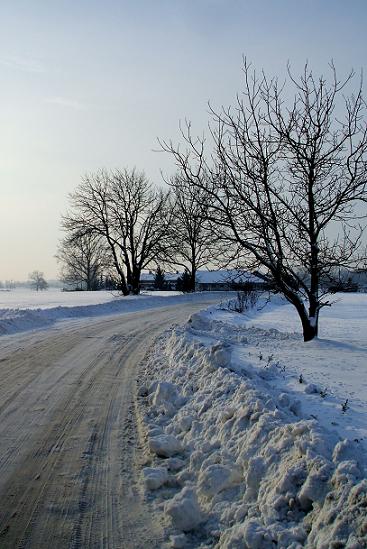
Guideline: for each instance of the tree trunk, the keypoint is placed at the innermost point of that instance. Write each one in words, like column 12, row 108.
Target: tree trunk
column 310, row 329
column 134, row 281
column 193, row 269
column 89, row 281
column 309, row 323
column 192, row 280
column 123, row 288
column 122, row 285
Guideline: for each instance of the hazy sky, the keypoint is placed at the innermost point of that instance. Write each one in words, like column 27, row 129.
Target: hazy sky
column 88, row 84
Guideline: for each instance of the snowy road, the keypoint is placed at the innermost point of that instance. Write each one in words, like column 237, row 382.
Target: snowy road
column 69, row 436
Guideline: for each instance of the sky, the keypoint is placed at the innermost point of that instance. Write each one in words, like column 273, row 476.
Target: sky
column 86, row 84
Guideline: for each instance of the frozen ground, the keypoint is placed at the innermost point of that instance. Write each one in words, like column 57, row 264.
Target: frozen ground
column 256, row 437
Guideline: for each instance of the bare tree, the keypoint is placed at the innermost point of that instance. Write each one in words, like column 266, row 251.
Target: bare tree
column 284, row 180
column 83, row 258
column 190, row 238
column 132, row 218
column 38, row 281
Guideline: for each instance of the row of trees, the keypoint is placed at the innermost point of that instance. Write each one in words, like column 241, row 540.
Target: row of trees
column 7, row 284
column 119, row 224
column 36, row 281
column 276, row 187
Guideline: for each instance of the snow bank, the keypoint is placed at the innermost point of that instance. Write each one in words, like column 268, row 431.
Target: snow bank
column 254, row 471
column 20, row 319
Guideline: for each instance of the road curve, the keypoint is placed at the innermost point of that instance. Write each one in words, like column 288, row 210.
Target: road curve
column 69, row 448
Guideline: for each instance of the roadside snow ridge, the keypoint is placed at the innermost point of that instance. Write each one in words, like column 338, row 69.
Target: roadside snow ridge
column 243, row 467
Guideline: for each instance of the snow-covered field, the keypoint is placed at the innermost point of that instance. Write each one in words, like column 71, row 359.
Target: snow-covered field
column 22, row 310
column 258, row 440
column 21, row 298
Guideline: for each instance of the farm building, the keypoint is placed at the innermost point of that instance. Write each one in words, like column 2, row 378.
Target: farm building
column 218, row 280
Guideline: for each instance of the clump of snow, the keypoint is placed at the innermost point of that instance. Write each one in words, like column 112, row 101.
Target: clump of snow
column 184, row 510
column 178, row 541
column 256, row 469
column 154, row 477
column 312, row 389
column 165, row 445
column 166, row 396
column 220, row 355
column 200, row 322
column 217, row 477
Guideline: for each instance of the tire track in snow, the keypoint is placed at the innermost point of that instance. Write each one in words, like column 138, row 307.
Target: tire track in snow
column 68, row 432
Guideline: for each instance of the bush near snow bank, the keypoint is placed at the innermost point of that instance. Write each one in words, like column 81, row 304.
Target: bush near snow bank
column 255, row 472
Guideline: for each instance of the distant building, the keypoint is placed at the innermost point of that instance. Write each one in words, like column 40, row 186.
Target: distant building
column 228, row 279
column 210, row 281
column 147, row 281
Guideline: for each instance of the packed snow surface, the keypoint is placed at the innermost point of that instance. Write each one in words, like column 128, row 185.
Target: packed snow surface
column 256, row 439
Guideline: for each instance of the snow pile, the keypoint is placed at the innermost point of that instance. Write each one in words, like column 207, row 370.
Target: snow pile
column 16, row 320
column 239, row 464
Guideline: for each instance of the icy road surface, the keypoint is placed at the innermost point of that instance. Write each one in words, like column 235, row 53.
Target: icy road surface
column 69, row 434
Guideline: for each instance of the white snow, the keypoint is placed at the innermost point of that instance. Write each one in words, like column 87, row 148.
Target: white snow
column 184, row 510
column 21, row 298
column 269, row 455
column 165, row 445
column 28, row 310
column 336, row 362
column 154, row 477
